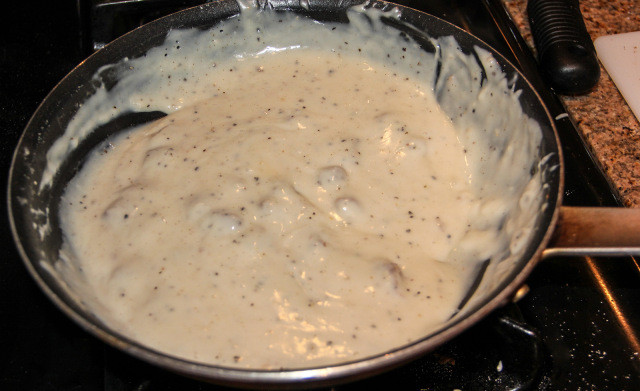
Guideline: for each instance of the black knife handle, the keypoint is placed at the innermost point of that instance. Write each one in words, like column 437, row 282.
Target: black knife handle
column 566, row 54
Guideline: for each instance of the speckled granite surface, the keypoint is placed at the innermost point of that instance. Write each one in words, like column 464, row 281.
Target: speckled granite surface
column 603, row 118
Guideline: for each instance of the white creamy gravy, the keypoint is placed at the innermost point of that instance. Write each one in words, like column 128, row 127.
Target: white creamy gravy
column 280, row 223
column 300, row 207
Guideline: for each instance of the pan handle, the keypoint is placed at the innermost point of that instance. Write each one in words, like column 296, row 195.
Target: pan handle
column 595, row 231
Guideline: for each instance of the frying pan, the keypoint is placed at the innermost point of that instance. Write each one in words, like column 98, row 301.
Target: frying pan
column 38, row 236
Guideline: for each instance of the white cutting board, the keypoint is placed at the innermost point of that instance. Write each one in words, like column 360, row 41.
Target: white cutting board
column 620, row 55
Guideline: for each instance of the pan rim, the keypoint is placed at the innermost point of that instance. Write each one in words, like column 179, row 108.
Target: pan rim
column 319, row 375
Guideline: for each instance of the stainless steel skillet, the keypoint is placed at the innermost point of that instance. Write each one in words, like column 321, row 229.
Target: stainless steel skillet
column 51, row 119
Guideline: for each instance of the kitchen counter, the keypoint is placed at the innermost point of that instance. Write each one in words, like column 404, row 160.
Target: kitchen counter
column 602, row 116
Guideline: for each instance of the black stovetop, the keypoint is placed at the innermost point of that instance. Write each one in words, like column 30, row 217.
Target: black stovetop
column 574, row 330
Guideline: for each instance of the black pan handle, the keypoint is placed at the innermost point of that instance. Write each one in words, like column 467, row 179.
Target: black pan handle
column 566, row 54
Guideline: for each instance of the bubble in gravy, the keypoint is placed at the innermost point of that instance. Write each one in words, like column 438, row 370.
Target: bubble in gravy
column 332, row 178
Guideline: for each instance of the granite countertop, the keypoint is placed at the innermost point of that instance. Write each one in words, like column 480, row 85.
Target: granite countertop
column 602, row 116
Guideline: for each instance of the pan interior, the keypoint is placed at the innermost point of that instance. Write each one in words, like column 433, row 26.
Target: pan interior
column 479, row 93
